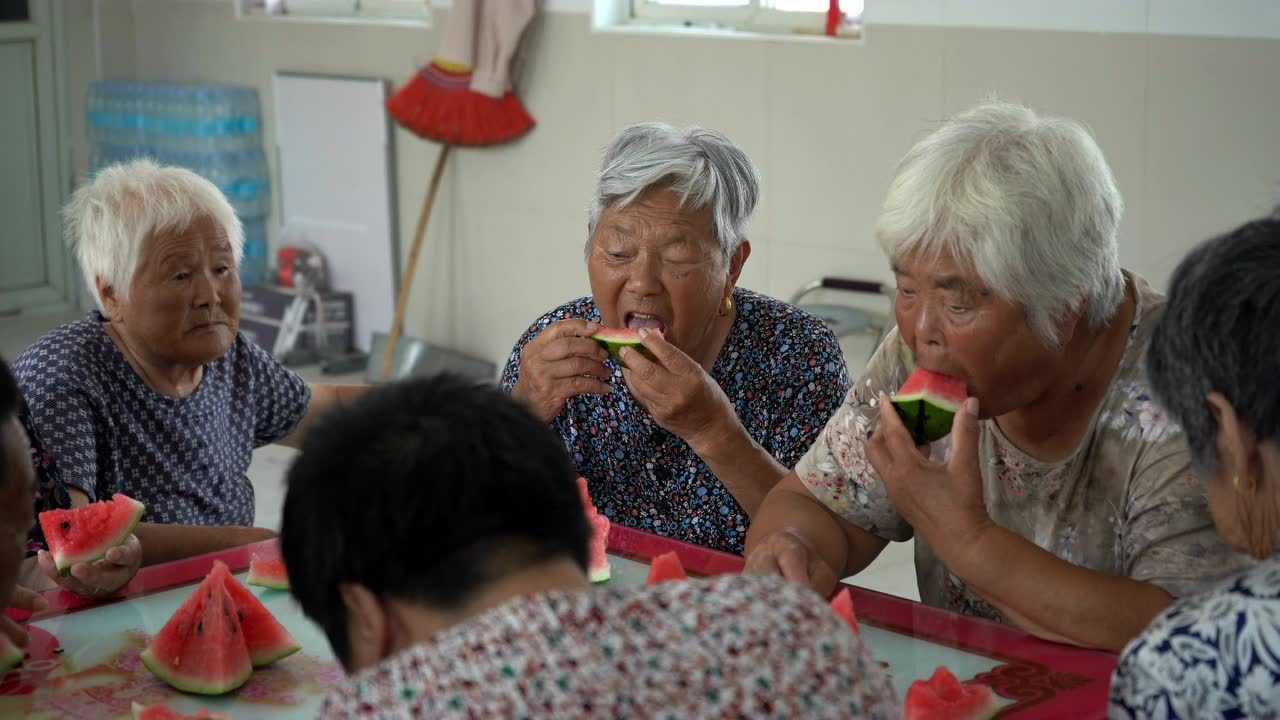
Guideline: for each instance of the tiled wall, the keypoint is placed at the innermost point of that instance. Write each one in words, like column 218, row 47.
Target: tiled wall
column 1189, row 124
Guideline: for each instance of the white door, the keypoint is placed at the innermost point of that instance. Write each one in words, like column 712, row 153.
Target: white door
column 35, row 270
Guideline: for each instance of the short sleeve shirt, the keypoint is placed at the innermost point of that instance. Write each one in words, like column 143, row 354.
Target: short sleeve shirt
column 784, row 374
column 1124, row 503
column 108, row 432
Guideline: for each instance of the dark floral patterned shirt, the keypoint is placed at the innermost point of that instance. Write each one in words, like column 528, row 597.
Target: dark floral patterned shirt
column 51, row 493
column 780, row 367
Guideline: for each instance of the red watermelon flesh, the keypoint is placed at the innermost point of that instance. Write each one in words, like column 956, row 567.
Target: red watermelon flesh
column 598, row 569
column 85, row 534
column 842, row 605
column 10, row 655
column 943, row 697
column 162, row 712
column 664, row 567
column 614, row 339
column 202, row 648
column 268, row 573
column 265, row 638
column 927, row 403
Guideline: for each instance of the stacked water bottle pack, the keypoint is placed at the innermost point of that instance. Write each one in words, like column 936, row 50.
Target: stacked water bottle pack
column 213, row 130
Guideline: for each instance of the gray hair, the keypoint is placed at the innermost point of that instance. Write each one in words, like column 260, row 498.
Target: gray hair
column 109, row 220
column 1217, row 334
column 1027, row 201
column 703, row 166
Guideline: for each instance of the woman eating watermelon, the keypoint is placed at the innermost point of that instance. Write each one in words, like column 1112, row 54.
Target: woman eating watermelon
column 460, row 589
column 1061, row 502
column 721, row 390
column 155, row 394
column 1214, row 361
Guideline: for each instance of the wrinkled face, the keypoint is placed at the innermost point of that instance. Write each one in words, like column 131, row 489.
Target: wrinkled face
column 17, row 500
column 184, row 303
column 956, row 326
column 654, row 264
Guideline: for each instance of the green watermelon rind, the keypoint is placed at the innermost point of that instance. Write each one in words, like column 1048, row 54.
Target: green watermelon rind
column 611, row 341
column 64, row 563
column 181, row 683
column 11, row 655
column 265, row 579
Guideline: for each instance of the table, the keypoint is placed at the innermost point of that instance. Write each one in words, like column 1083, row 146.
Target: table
column 84, row 654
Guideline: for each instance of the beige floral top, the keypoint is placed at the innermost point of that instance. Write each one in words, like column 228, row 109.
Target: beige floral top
column 1124, row 503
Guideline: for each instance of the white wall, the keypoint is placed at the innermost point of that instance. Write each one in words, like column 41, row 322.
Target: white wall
column 1189, row 124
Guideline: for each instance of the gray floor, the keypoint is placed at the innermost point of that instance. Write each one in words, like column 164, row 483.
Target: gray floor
column 893, row 572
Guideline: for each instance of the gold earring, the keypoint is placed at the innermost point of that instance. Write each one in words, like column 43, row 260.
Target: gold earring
column 727, row 307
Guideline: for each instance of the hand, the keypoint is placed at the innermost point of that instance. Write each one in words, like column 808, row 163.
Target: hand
column 562, row 362
column 100, row 578
column 23, row 599
column 679, row 395
column 942, row 502
column 789, row 554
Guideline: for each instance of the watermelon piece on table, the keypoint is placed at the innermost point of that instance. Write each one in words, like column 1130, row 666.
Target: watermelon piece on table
column 268, row 573
column 202, row 648
column 598, row 569
column 85, row 534
column 163, row 712
column 614, row 339
column 10, row 655
column 842, row 605
column 927, row 403
column 943, row 697
column 265, row 638
column 666, row 567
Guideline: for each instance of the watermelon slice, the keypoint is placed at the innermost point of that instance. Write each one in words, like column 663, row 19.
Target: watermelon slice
column 10, row 655
column 202, row 648
column 597, row 550
column 614, row 339
column 162, row 712
column 842, row 605
column 86, row 534
column 265, row 638
column 665, row 567
column 944, row 697
column 268, row 573
column 928, row 402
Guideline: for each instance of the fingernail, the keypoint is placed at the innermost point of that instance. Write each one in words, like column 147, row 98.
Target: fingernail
column 971, row 406
column 644, row 332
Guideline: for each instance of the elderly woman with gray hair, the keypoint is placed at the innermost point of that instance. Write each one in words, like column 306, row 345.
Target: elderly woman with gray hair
column 1214, row 361
column 686, row 439
column 1062, row 500
column 155, row 394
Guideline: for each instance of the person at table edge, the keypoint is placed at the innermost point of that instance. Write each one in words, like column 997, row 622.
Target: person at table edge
column 1062, row 500
column 685, row 444
column 155, row 393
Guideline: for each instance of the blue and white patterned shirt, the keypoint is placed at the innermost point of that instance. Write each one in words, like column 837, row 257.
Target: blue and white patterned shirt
column 780, row 367
column 184, row 458
column 1215, row 655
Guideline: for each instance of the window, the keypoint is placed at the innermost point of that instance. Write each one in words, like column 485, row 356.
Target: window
column 358, row 10
column 766, row 15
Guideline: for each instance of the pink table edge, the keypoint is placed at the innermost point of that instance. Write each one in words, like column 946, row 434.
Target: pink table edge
column 1089, row 670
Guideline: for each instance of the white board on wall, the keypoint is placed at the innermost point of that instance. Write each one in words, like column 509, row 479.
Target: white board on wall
column 333, row 141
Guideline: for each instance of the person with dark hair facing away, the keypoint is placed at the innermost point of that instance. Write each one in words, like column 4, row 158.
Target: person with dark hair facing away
column 1214, row 363
column 457, row 586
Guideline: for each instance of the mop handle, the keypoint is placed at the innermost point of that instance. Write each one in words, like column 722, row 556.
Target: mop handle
column 397, row 323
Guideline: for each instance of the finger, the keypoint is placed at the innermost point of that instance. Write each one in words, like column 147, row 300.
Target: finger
column 12, row 630
column 762, row 562
column 28, row 599
column 964, row 436
column 567, row 347
column 577, row 367
column 45, row 560
column 638, row 364
column 794, row 564
column 573, row 327
column 667, row 355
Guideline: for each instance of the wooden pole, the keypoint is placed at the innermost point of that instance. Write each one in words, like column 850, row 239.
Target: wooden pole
column 406, row 282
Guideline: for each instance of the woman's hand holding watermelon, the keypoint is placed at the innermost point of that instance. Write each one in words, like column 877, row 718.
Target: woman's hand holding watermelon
column 100, row 578
column 560, row 363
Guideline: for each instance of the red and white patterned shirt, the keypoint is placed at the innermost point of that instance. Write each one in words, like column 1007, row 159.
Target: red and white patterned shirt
column 734, row 646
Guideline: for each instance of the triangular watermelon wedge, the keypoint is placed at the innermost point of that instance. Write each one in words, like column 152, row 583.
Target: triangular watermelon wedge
column 265, row 638
column 614, row 339
column 943, row 697
column 85, row 534
column 664, row 568
column 598, row 569
column 927, row 403
column 202, row 647
column 268, row 572
column 842, row 605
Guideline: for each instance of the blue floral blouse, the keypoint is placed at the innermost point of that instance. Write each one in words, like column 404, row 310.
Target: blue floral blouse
column 780, row 367
column 1215, row 655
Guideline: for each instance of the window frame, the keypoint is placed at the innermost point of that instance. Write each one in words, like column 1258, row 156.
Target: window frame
column 755, row 15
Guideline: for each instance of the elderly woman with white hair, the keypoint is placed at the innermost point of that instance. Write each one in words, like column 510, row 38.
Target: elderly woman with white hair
column 155, row 394
column 686, row 440
column 1062, row 500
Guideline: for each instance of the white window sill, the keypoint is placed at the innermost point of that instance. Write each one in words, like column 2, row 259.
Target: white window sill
column 353, row 20
column 645, row 28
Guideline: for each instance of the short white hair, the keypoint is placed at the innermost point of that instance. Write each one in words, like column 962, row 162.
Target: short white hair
column 110, row 219
column 1027, row 201
column 702, row 166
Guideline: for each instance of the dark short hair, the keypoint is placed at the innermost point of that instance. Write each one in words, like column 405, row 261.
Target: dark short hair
column 10, row 402
column 1221, row 333
column 425, row 490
